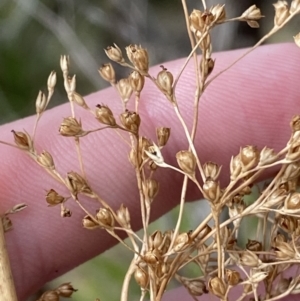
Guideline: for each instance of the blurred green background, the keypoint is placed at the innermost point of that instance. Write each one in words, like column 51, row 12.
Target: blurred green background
column 33, row 35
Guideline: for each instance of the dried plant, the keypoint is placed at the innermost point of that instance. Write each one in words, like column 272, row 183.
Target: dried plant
column 161, row 256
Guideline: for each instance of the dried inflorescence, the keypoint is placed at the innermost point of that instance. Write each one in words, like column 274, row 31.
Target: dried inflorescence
column 160, row 257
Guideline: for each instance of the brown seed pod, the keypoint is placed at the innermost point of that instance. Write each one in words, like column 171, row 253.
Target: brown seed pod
column 66, row 290
column 114, row 53
column 131, row 121
column 105, row 115
column 89, row 223
column 138, row 56
column 233, row 277
column 141, row 277
column 107, row 72
column 217, row 287
column 186, row 161
column 105, row 217
column 53, row 198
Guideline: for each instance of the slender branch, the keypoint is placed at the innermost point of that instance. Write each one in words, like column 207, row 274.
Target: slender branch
column 7, row 287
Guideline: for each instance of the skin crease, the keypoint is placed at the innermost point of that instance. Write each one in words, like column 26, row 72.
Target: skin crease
column 252, row 103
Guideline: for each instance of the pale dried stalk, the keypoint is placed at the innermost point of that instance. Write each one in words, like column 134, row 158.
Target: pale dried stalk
column 7, row 286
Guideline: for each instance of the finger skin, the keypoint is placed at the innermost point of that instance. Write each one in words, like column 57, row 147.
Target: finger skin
column 252, row 103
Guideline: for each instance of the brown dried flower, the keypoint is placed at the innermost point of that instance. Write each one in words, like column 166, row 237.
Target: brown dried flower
column 211, row 170
column 250, row 259
column 206, row 67
column 23, row 140
column 281, row 12
column 235, row 167
column 66, row 290
column 114, row 53
column 295, row 123
column 141, row 277
column 249, row 157
column 182, row 242
column 77, row 184
column 49, row 296
column 164, row 81
column 89, row 223
column 138, row 56
column 107, row 72
column 70, row 127
column 53, row 198
column 131, row 121
column 64, row 63
column 125, row 89
column 295, row 6
column 79, row 100
column 217, row 287
column 284, row 251
column 252, row 14
column 65, row 212
column 51, row 82
column 199, row 20
column 123, row 217
column 163, row 135
column 254, row 245
column 233, row 277
column 266, row 156
column 137, row 81
column 292, row 201
column 219, row 13
column 105, row 115
column 41, row 103
column 105, row 217
column 211, row 190
column 186, row 161
column 150, row 188
column 45, row 159
column 196, row 287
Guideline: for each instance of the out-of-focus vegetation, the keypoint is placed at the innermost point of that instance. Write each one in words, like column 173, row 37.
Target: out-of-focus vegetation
column 33, row 35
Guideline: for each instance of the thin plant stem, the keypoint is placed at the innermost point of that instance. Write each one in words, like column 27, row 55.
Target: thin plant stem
column 7, row 287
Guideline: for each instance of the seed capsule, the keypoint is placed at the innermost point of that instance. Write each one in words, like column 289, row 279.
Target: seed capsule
column 252, row 14
column 150, row 188
column 77, row 184
column 89, row 223
column 107, row 72
column 141, row 277
column 105, row 217
column 123, row 217
column 70, row 127
column 281, row 12
column 50, row 296
column 186, row 161
column 131, row 121
column 105, row 115
column 217, row 287
column 45, row 159
column 233, row 277
column 165, row 81
column 211, row 190
column 114, row 53
column 53, row 198
column 23, row 140
column 41, row 103
column 66, row 290
column 163, row 135
column 125, row 89
column 137, row 81
column 138, row 56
